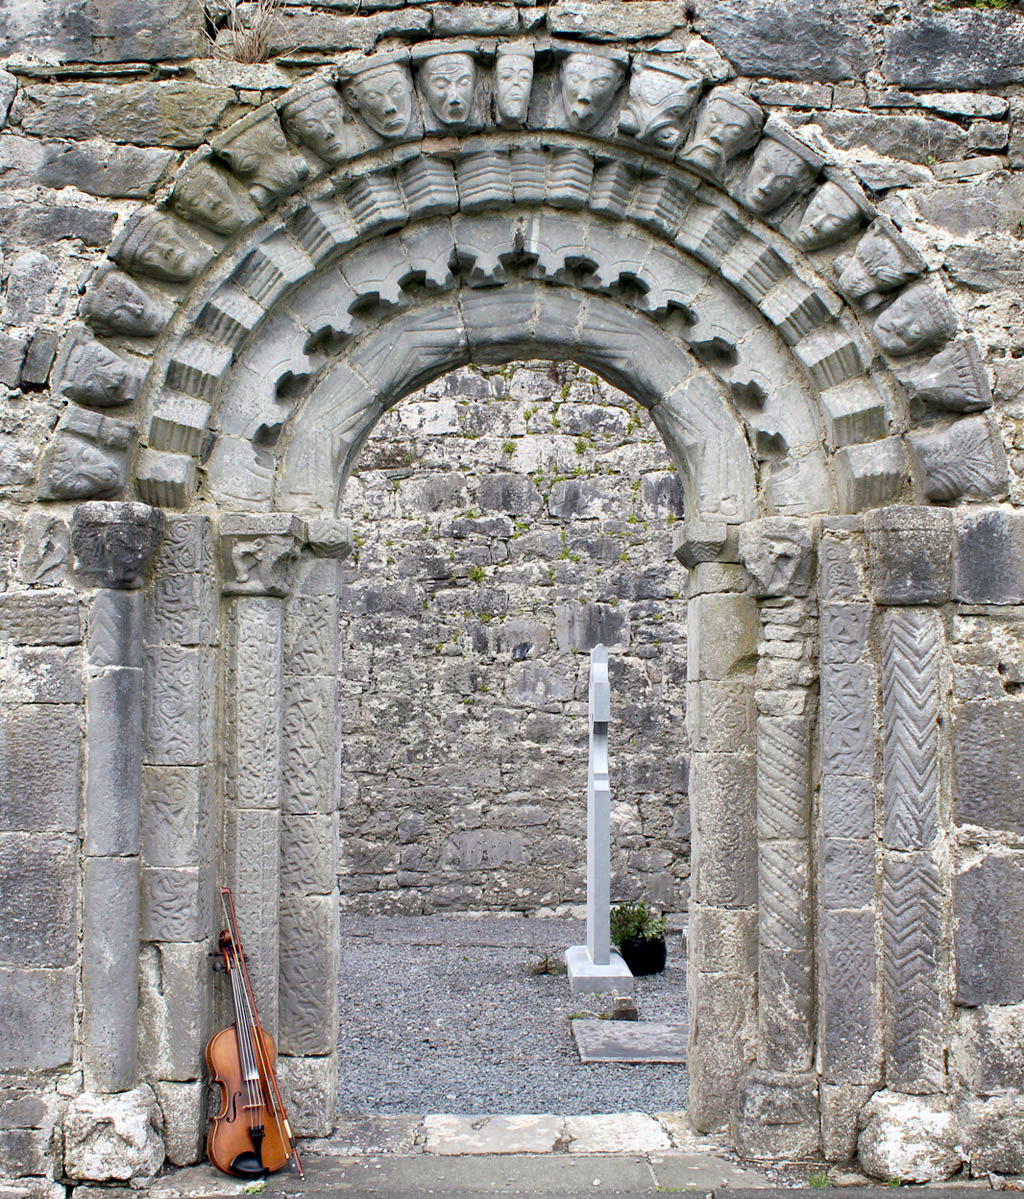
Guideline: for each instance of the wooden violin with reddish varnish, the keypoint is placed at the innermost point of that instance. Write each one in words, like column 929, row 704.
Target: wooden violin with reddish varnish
column 250, row 1137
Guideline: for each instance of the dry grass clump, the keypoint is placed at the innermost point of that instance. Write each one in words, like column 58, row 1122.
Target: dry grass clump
column 243, row 30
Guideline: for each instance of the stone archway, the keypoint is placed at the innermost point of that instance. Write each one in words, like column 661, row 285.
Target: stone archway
column 317, row 284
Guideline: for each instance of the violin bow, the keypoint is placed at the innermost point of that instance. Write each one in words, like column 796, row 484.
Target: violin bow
column 274, row 1100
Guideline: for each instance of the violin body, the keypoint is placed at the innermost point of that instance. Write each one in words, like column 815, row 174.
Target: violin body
column 231, row 1145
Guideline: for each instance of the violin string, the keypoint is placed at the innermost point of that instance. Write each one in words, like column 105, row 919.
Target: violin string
column 243, row 1028
column 258, row 1048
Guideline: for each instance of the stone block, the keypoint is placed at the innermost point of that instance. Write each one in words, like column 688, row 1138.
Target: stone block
column 721, row 1044
column 720, row 715
column 110, row 937
column 39, row 763
column 45, row 675
column 850, row 1020
column 847, row 805
column 252, row 865
column 24, row 1151
column 722, row 940
column 101, row 169
column 40, row 1004
column 187, row 546
column 165, row 480
column 723, row 802
column 847, row 719
column 986, row 1049
column 724, row 632
column 988, row 911
column 870, row 474
column 962, row 49
column 44, row 550
column 309, row 854
column 178, row 698
column 988, row 776
column 115, row 629
column 840, row 1109
column 842, row 565
column 700, row 541
column 309, row 1087
column 113, row 731
column 844, row 632
column 582, row 626
column 183, row 1108
column 777, row 552
column 784, row 1040
column 181, row 609
column 175, row 1009
column 594, row 20
column 988, row 557
column 309, row 972
column 41, row 617
column 776, row 1116
column 967, row 460
column 176, row 810
column 38, row 902
column 992, row 1132
column 912, row 1138
column 253, row 702
column 113, row 1138
column 783, row 782
column 308, row 744
column 177, row 904
column 310, row 637
column 114, row 543
column 847, row 872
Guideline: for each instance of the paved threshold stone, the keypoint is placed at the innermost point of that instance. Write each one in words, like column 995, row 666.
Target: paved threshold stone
column 628, row 1041
column 454, row 1135
column 623, row 1132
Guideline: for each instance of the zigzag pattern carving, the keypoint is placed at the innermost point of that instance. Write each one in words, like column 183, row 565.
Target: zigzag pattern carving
column 912, row 930
column 783, row 799
column 911, row 645
column 784, row 900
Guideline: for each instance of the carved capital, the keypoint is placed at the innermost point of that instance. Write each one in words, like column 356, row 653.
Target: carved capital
column 114, row 543
column 258, row 552
column 329, row 538
column 700, row 541
column 778, row 553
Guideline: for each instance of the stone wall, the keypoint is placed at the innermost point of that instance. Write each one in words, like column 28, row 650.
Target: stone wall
column 505, row 522
column 854, row 679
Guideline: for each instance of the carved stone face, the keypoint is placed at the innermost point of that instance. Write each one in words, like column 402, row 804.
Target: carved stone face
column 448, row 82
column 880, row 263
column 317, row 121
column 114, row 304
column 383, row 98
column 589, row 82
column 95, row 375
column 659, row 106
column 831, row 216
column 776, row 174
column 156, row 249
column 204, row 197
column 79, row 469
column 915, row 320
column 513, row 81
column 259, row 154
column 725, row 128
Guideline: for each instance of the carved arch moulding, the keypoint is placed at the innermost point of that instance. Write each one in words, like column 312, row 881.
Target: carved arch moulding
column 407, row 212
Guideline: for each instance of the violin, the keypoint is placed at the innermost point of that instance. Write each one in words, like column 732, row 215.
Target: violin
column 250, row 1137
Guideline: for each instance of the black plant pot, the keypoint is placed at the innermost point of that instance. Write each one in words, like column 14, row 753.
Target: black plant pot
column 644, row 955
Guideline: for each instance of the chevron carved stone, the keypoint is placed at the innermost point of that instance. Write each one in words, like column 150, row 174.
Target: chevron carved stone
column 911, row 647
column 783, row 793
column 912, row 934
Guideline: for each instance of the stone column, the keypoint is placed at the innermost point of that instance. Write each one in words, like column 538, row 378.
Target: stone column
column 113, row 545
column 308, row 1032
column 777, row 1104
column 722, row 967
column 258, row 556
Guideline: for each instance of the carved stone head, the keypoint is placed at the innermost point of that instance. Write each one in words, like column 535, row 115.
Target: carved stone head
column 114, row 543
column 316, row 118
column 448, row 83
column 954, row 380
column 256, row 150
column 204, row 195
column 88, row 457
column 778, row 554
column 382, row 95
column 881, row 262
column 917, row 319
column 780, row 168
column 727, row 124
column 513, row 82
column 589, row 83
column 116, row 304
column 151, row 245
column 837, row 210
column 661, row 98
column 93, row 374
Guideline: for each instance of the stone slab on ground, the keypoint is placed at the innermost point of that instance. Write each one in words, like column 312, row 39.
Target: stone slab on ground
column 452, row 1136
column 630, row 1041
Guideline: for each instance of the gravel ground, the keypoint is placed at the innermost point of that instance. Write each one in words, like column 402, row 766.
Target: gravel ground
column 443, row 1014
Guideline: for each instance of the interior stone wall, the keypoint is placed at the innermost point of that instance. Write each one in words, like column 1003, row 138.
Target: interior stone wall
column 505, row 521
column 854, row 698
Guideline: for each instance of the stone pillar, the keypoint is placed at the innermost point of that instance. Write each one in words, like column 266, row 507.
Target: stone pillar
column 722, row 967
column 776, row 1113
column 849, row 992
column 308, row 1030
column 258, row 556
column 113, row 545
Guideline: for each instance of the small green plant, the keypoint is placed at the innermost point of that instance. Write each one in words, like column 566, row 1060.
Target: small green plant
column 477, row 574
column 818, row 1179
column 635, row 920
column 581, row 445
column 255, row 1188
column 508, row 448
